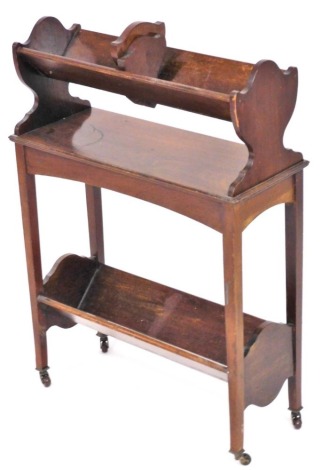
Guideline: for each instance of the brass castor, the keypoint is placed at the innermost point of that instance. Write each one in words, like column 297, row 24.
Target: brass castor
column 44, row 377
column 245, row 459
column 296, row 418
column 104, row 345
column 104, row 342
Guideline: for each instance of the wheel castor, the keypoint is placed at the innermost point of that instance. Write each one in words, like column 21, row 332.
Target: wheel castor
column 245, row 459
column 44, row 377
column 296, row 418
column 104, row 344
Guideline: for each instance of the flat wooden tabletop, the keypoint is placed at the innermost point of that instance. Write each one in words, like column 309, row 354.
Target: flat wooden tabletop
column 182, row 158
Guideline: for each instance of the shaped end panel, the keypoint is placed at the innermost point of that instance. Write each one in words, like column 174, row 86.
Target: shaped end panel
column 268, row 363
column 52, row 100
column 260, row 114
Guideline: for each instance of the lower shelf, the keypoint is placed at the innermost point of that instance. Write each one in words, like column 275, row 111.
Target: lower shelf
column 167, row 321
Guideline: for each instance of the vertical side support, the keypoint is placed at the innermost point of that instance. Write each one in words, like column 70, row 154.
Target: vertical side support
column 294, row 271
column 33, row 258
column 232, row 245
column 95, row 222
column 96, row 237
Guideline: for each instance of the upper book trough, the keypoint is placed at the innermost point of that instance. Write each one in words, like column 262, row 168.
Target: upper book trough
column 258, row 99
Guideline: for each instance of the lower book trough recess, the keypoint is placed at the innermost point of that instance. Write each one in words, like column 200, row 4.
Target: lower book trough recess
column 172, row 323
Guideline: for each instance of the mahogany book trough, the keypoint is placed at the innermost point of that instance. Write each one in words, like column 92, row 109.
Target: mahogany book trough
column 224, row 185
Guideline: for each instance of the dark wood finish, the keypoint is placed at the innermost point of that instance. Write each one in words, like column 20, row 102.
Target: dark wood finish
column 221, row 184
column 96, row 236
column 53, row 318
column 169, row 317
column 52, row 99
column 140, row 48
column 294, row 270
column 188, row 202
column 33, row 255
column 269, row 362
column 165, row 161
column 177, row 95
column 174, row 156
column 95, row 222
column 234, row 324
column 194, row 204
column 268, row 100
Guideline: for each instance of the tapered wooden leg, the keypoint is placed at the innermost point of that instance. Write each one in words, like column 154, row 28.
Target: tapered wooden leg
column 95, row 222
column 232, row 244
column 96, row 237
column 294, row 269
column 33, row 257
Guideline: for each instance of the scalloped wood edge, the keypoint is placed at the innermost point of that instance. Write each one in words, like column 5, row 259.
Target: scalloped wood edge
column 260, row 114
column 138, row 29
column 268, row 363
column 52, row 100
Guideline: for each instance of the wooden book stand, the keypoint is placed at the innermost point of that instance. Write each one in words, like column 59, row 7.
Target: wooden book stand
column 222, row 184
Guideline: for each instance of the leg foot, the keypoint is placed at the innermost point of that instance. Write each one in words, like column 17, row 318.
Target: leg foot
column 243, row 457
column 44, row 377
column 296, row 418
column 104, row 342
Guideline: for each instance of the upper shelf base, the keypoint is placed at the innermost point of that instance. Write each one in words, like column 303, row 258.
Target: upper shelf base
column 184, row 159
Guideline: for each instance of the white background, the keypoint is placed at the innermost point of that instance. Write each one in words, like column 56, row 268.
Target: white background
column 129, row 408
